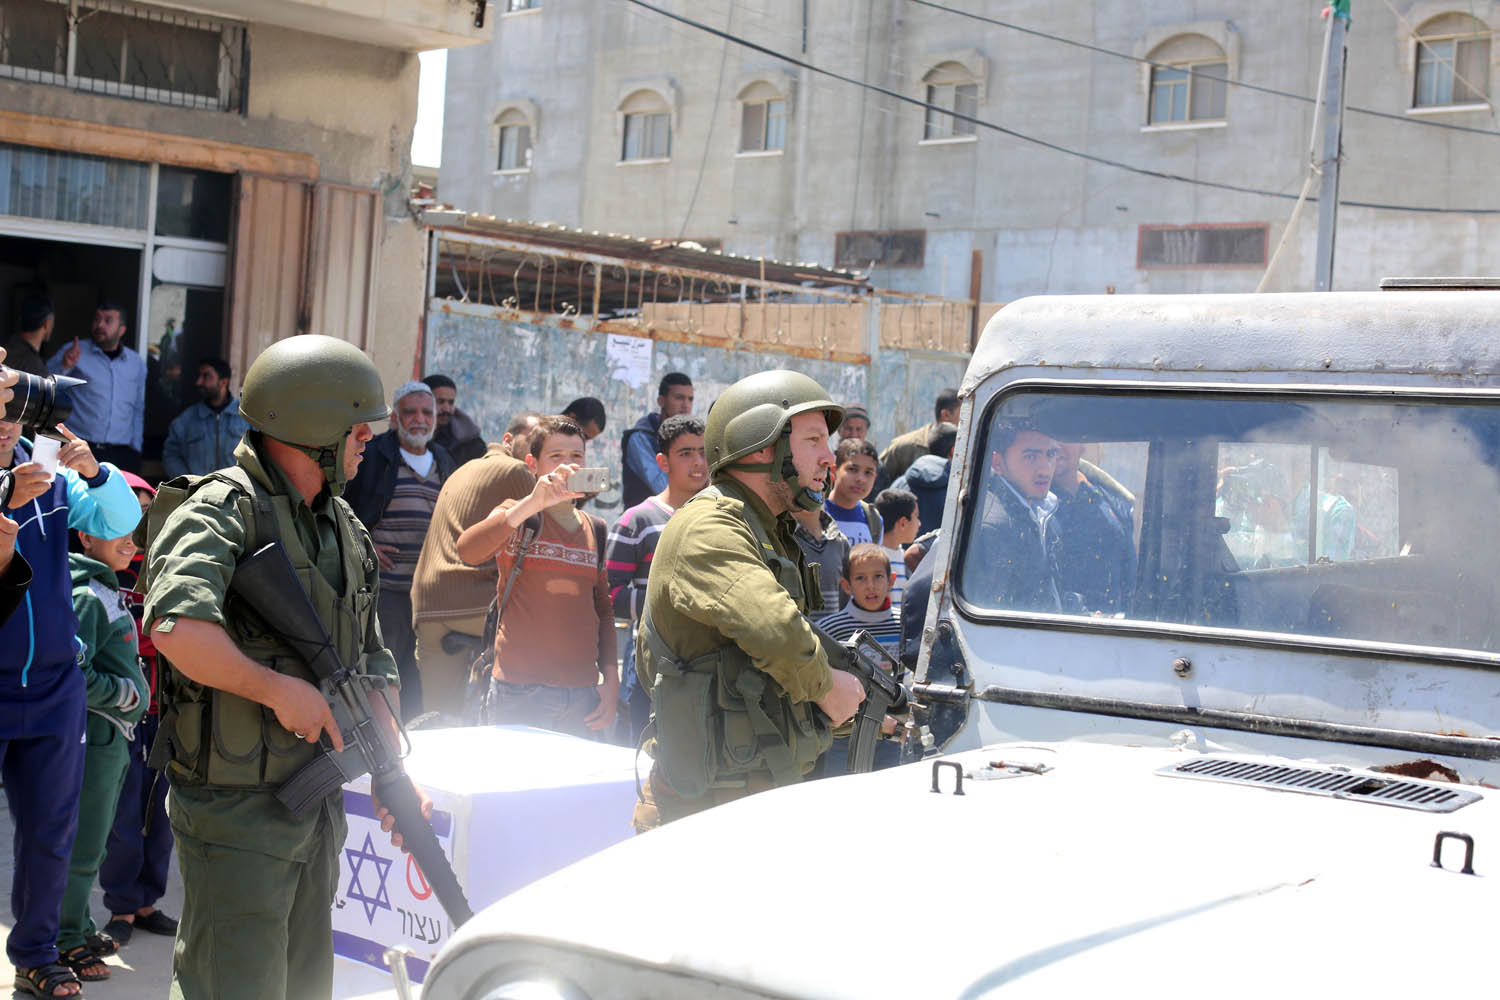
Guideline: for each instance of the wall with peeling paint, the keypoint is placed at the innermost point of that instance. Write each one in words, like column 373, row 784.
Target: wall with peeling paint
column 502, row 367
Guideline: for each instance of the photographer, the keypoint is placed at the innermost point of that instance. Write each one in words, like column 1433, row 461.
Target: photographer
column 42, row 697
column 557, row 629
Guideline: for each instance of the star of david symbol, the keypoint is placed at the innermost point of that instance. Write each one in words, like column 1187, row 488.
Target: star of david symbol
column 382, row 899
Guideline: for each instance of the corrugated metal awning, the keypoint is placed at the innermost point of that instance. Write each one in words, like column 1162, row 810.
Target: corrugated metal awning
column 671, row 253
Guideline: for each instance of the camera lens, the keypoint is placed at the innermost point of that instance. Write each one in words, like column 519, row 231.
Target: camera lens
column 41, row 403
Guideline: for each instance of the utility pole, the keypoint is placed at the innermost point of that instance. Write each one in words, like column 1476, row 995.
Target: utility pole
column 1333, row 130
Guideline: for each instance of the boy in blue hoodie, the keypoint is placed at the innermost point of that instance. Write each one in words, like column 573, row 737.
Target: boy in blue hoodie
column 117, row 698
column 42, row 697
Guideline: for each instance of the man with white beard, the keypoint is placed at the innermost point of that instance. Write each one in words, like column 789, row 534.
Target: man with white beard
column 394, row 495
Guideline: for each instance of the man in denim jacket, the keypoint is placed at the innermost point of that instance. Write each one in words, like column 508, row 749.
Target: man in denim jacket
column 203, row 436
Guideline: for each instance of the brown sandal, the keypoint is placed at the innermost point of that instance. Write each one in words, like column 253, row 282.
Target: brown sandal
column 81, row 959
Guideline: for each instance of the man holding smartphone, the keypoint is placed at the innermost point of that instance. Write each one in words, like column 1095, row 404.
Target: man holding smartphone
column 555, row 665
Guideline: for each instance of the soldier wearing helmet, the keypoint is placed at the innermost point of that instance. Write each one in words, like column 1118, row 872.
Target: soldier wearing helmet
column 743, row 698
column 240, row 712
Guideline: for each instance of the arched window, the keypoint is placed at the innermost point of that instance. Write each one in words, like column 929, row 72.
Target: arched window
column 1188, row 85
column 514, row 133
column 1453, row 62
column 951, row 87
column 762, row 118
column 647, row 127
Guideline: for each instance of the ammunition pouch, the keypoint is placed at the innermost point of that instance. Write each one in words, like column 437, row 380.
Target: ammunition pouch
column 719, row 719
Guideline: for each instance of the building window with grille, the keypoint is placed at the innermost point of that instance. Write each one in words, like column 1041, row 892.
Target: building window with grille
column 1188, row 82
column 1452, row 62
column 1226, row 245
column 516, row 6
column 951, row 90
column 762, row 119
column 514, row 137
column 161, row 56
column 647, row 127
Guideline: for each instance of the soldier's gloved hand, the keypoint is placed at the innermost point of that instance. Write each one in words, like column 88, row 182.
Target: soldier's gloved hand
column 843, row 699
column 303, row 710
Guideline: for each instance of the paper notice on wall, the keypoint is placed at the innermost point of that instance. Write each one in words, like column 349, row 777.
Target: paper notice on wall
column 630, row 360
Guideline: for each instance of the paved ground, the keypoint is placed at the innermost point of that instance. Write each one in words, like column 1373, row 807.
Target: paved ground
column 142, row 969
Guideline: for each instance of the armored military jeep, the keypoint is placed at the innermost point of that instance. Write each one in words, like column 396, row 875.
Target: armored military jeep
column 1239, row 736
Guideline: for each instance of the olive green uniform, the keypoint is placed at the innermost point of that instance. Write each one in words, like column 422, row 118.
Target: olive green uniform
column 717, row 589
column 259, row 882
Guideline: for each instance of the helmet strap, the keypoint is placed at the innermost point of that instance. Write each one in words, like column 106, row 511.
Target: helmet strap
column 781, row 469
column 330, row 459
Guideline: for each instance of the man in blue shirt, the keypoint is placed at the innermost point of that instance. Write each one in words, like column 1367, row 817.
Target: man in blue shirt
column 204, row 436
column 639, row 475
column 109, row 412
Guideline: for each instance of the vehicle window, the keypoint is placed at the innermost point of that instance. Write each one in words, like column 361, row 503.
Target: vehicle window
column 1346, row 518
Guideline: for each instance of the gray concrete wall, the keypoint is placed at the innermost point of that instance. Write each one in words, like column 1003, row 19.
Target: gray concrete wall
column 1046, row 222
column 504, row 367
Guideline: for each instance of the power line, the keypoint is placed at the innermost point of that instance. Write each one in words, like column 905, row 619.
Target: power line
column 1303, row 98
column 1044, row 143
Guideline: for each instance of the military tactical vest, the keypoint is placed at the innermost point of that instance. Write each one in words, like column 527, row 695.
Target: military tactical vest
column 717, row 717
column 213, row 739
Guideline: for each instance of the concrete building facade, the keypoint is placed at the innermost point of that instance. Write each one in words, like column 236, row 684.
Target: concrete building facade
column 230, row 172
column 613, row 117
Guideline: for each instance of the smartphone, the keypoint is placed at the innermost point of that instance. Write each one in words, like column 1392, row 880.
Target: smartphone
column 589, row 481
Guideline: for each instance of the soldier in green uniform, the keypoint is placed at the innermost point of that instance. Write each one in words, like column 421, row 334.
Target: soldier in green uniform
column 241, row 713
column 743, row 697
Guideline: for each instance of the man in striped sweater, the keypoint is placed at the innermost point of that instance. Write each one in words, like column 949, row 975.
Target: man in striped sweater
column 394, row 494
column 679, row 455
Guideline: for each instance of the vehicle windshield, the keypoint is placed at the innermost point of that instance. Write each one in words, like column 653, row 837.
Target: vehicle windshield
column 1362, row 518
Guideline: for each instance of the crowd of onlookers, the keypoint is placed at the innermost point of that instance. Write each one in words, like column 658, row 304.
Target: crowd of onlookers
column 502, row 597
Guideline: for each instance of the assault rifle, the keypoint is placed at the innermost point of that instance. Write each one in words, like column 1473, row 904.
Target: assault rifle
column 267, row 582
column 876, row 669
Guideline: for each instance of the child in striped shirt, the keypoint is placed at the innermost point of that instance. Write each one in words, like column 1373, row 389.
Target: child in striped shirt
column 867, row 581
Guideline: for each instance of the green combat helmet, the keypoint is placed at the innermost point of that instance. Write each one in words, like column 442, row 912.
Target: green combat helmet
column 309, row 391
column 757, row 411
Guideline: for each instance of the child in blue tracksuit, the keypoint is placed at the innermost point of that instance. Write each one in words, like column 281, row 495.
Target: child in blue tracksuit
column 42, row 697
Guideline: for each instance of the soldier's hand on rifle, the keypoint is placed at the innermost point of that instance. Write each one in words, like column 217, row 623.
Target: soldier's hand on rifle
column 303, row 710
column 843, row 699
column 889, row 725
column 388, row 822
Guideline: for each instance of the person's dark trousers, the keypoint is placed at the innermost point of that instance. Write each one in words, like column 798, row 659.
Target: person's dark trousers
column 41, row 763
column 105, row 763
column 124, row 457
column 394, row 610
column 136, row 864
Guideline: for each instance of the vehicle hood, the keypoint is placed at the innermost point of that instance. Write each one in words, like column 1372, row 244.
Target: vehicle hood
column 1098, row 872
